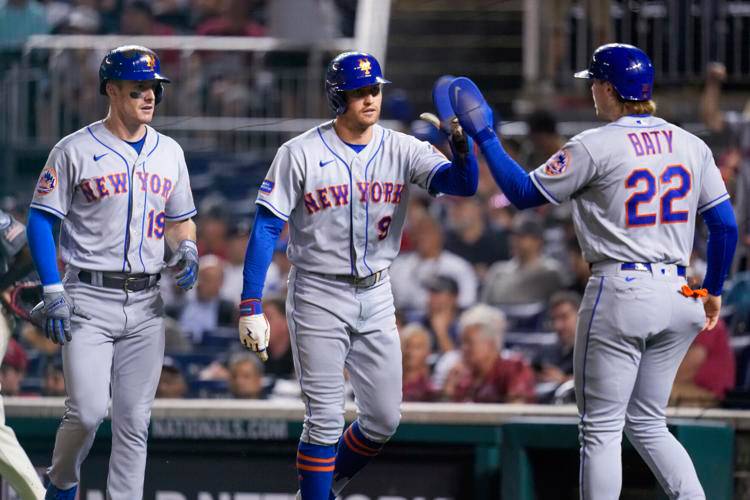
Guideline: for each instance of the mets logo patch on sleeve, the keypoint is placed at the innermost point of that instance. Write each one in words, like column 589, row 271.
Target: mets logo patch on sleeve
column 267, row 186
column 47, row 181
column 558, row 163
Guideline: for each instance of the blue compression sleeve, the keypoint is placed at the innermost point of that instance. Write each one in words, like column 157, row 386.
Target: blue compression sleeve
column 39, row 233
column 510, row 177
column 266, row 230
column 722, row 242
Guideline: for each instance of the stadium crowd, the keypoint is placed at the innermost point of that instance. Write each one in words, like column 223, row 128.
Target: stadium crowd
column 486, row 297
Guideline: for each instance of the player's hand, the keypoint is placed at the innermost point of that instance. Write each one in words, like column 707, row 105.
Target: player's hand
column 712, row 306
column 472, row 110
column 53, row 315
column 185, row 263
column 255, row 333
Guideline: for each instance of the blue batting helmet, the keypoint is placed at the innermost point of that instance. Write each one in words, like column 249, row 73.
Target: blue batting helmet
column 131, row 62
column 350, row 71
column 626, row 67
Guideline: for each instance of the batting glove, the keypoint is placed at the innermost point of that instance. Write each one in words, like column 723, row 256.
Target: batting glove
column 54, row 312
column 255, row 332
column 185, row 262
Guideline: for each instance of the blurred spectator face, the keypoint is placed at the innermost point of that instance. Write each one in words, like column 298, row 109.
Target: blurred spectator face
column 443, row 294
column 212, row 234
column 428, row 238
column 135, row 20
column 564, row 319
column 210, row 278
column 245, row 380
column 416, row 349
column 362, row 107
column 525, row 245
column 54, row 381
column 465, row 213
column 11, row 381
column 476, row 348
column 276, row 318
column 171, row 384
column 236, row 247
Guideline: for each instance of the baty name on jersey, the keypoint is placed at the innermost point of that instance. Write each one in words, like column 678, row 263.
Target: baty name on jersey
column 338, row 195
column 96, row 188
column 650, row 143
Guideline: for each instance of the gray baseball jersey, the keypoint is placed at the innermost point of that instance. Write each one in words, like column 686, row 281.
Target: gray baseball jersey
column 636, row 186
column 114, row 203
column 346, row 210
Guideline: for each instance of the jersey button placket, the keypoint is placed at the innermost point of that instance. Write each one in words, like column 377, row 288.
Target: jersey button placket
column 359, row 215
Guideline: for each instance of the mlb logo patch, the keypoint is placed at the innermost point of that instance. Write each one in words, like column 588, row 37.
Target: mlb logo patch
column 47, row 181
column 558, row 163
column 267, row 186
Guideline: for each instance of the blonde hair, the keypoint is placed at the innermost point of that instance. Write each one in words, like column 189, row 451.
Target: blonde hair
column 638, row 107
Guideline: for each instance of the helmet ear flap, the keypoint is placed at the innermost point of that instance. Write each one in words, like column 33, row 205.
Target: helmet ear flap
column 158, row 92
column 337, row 101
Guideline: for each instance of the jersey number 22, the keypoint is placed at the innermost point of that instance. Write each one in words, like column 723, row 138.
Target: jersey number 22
column 645, row 183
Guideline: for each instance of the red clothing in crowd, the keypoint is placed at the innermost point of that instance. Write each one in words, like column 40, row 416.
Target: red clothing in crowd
column 419, row 389
column 717, row 372
column 509, row 379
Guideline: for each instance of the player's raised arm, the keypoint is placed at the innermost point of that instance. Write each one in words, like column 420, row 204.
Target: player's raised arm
column 459, row 177
column 476, row 119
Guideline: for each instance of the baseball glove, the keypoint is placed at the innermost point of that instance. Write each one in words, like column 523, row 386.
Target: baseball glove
column 21, row 298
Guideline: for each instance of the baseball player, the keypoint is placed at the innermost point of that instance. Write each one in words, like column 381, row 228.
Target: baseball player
column 343, row 186
column 121, row 189
column 637, row 185
column 15, row 263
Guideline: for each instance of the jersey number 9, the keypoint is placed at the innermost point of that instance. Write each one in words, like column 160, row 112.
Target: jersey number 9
column 645, row 183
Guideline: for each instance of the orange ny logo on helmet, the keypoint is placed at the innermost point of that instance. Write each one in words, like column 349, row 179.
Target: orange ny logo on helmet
column 365, row 66
column 150, row 61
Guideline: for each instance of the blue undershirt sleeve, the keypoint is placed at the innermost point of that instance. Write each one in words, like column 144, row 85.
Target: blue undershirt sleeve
column 722, row 242
column 458, row 178
column 39, row 233
column 266, row 230
column 510, row 177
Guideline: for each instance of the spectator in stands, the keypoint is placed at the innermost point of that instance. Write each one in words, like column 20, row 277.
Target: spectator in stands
column 416, row 347
column 555, row 364
column 212, row 234
column 411, row 271
column 580, row 269
column 202, row 10
column 529, row 277
column 441, row 319
column 13, row 369
column 246, row 376
column 231, row 288
column 20, row 19
column 53, row 383
column 206, row 310
column 278, row 273
column 483, row 375
column 471, row 237
column 234, row 19
column 172, row 382
column 707, row 372
column 734, row 161
column 280, row 363
column 543, row 139
column 138, row 19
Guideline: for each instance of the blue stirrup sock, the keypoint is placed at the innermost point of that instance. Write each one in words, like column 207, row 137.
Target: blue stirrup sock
column 354, row 452
column 315, row 465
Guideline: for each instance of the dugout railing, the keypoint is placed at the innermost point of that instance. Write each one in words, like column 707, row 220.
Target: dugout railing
column 241, row 450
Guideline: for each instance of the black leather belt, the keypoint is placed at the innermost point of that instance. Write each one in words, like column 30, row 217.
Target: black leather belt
column 364, row 282
column 120, row 281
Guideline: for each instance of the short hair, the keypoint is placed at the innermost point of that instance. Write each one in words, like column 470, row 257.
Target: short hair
column 490, row 320
column 565, row 297
column 639, row 107
column 413, row 329
column 246, row 357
